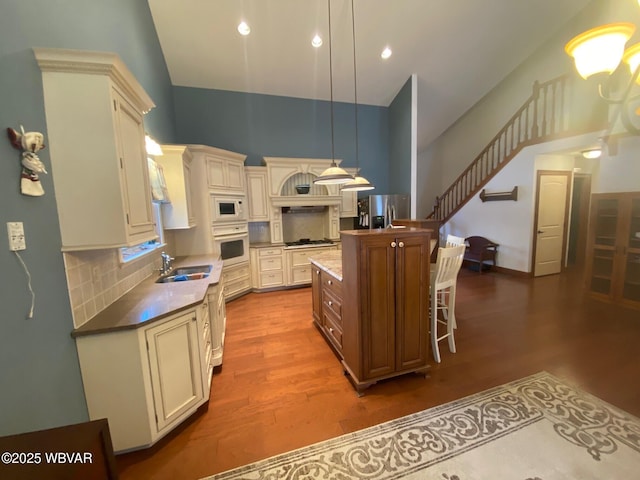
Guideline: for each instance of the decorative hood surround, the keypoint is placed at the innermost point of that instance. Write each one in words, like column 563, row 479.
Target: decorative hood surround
column 284, row 174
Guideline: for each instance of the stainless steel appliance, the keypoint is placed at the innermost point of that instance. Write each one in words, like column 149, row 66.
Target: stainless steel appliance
column 383, row 209
column 307, row 242
column 228, row 209
column 231, row 241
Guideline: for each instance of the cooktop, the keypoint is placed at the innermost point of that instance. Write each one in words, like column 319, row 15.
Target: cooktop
column 306, row 242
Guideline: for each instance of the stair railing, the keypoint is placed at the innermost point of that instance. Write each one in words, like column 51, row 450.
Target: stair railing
column 542, row 118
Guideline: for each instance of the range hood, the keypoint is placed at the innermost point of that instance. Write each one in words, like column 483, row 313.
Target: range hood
column 305, row 200
column 304, row 209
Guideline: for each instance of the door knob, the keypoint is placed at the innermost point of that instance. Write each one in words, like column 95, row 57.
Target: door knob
column 393, row 244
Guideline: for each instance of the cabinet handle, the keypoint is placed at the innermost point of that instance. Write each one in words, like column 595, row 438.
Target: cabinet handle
column 401, row 244
column 393, row 244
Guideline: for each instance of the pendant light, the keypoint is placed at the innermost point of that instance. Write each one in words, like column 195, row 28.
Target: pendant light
column 359, row 183
column 334, row 174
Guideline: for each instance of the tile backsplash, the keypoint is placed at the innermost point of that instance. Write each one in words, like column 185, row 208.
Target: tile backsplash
column 96, row 279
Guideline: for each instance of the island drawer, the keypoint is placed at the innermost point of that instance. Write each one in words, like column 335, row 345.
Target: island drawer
column 331, row 283
column 332, row 329
column 332, row 303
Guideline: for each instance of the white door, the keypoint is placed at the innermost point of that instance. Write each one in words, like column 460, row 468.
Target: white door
column 176, row 375
column 551, row 223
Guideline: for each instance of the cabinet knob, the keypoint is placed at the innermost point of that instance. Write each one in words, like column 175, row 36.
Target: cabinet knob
column 393, row 244
column 401, row 244
column 329, row 282
column 330, row 303
column 331, row 329
column 317, row 272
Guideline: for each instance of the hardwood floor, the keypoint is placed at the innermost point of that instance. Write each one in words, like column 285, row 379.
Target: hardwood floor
column 281, row 387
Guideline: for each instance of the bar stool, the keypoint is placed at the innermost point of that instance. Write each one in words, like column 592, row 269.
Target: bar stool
column 443, row 295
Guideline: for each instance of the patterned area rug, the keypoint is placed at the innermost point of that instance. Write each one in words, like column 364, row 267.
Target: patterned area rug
column 536, row 428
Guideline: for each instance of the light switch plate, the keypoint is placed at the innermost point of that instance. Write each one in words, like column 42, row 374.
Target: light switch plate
column 15, row 231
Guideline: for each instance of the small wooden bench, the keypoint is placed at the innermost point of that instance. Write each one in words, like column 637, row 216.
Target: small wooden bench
column 481, row 250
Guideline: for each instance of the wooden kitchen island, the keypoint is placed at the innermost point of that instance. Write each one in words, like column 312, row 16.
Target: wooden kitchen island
column 371, row 302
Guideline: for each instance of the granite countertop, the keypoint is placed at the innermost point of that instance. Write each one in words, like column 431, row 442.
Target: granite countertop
column 150, row 301
column 330, row 262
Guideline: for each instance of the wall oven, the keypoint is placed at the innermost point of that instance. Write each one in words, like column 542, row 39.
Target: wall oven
column 228, row 209
column 231, row 242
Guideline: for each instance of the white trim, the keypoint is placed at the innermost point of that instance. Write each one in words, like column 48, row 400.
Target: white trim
column 97, row 63
column 414, row 145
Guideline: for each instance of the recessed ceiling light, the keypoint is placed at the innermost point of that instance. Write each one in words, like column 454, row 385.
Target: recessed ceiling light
column 244, row 29
column 317, row 41
column 386, row 53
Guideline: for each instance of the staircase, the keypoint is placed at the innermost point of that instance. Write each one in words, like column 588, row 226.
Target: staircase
column 544, row 117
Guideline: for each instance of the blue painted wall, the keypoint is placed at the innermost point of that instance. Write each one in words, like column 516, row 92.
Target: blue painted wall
column 40, row 383
column 271, row 126
column 399, row 166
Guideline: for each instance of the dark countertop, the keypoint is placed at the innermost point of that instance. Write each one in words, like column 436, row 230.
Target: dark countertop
column 150, row 301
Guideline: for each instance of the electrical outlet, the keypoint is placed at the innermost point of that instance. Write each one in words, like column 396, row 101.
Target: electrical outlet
column 15, row 231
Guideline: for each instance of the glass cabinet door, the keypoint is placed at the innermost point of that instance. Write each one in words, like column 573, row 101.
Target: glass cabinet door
column 631, row 283
column 605, row 218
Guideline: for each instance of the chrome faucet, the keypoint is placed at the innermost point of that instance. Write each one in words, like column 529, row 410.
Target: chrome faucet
column 166, row 263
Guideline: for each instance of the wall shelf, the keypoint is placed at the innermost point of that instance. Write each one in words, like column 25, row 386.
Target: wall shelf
column 498, row 196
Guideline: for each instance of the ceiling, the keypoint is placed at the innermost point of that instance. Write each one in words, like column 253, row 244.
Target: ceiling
column 459, row 49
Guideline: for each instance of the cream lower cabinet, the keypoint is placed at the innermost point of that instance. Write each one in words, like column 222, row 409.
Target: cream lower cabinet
column 298, row 265
column 237, row 280
column 267, row 267
column 145, row 381
column 218, row 319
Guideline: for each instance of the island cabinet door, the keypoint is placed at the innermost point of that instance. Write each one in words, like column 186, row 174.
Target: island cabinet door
column 378, row 306
column 316, row 294
column 412, row 302
column 174, row 360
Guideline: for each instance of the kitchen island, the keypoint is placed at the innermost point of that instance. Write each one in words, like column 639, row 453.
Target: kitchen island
column 147, row 360
column 371, row 302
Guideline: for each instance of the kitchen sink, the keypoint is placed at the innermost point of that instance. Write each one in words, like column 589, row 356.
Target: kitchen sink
column 184, row 274
column 190, row 270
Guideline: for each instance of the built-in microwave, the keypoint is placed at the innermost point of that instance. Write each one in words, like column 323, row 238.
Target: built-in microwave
column 228, row 209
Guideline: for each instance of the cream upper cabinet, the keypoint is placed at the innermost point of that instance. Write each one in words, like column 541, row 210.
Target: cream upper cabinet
column 176, row 166
column 94, row 108
column 257, row 194
column 225, row 171
column 349, row 205
column 275, row 225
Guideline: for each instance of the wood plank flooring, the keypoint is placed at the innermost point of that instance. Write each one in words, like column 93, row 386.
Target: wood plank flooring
column 281, row 387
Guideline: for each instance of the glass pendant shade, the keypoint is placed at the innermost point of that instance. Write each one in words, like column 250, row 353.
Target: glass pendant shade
column 599, row 49
column 333, row 175
column 632, row 58
column 358, row 184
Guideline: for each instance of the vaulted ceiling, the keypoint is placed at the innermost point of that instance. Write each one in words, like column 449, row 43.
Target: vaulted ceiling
column 459, row 49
